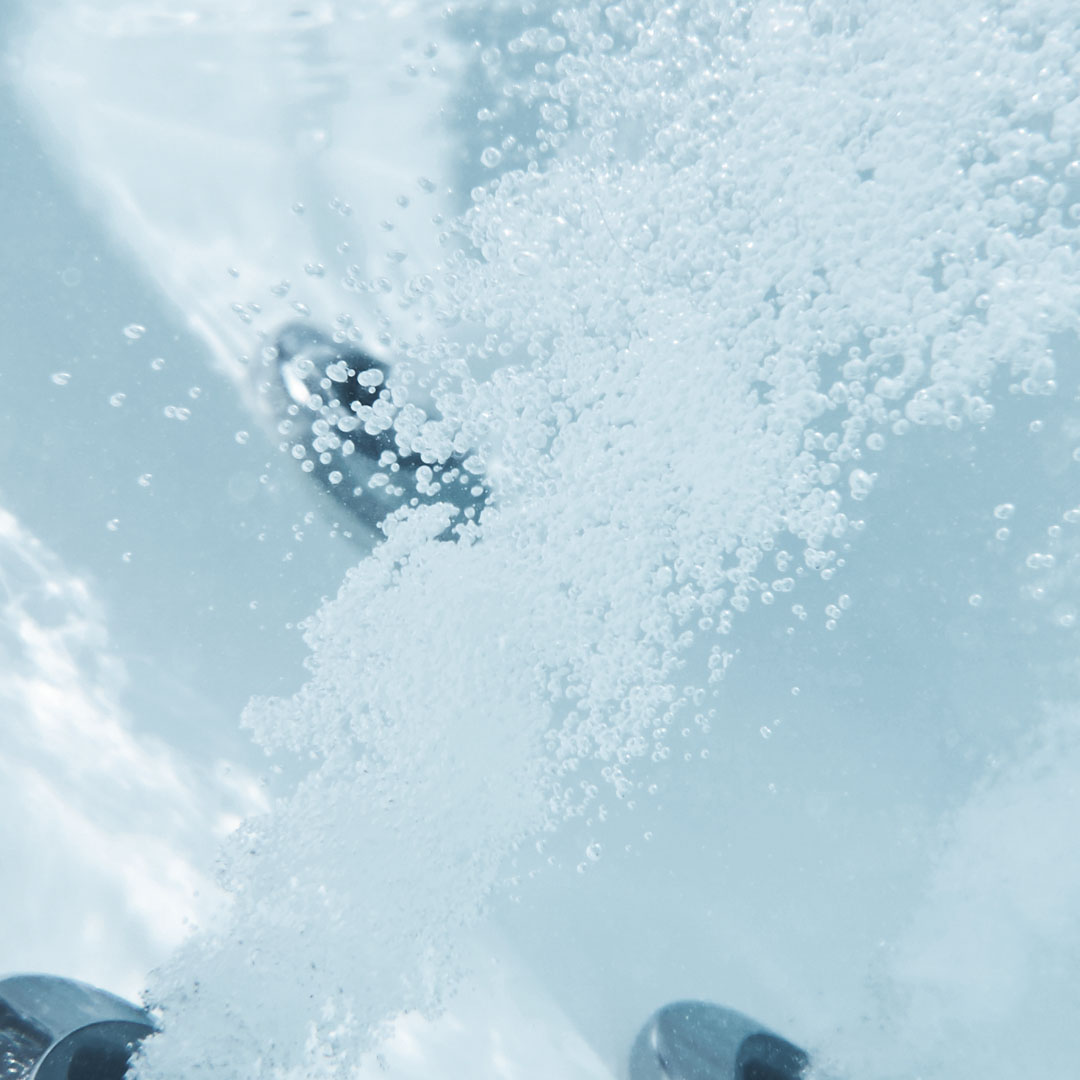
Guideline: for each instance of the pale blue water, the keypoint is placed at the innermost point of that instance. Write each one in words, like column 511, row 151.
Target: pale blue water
column 510, row 787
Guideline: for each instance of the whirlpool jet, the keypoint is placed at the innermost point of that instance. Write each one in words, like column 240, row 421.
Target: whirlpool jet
column 60, row 1029
column 230, row 147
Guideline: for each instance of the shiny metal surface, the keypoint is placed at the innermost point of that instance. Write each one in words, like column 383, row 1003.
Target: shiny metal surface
column 338, row 407
column 695, row 1040
column 59, row 1029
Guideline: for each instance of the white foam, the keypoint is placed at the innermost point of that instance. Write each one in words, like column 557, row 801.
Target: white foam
column 727, row 245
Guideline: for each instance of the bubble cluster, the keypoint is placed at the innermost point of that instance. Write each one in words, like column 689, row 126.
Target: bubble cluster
column 740, row 282
column 739, row 246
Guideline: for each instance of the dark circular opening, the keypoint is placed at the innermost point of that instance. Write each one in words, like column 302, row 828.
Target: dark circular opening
column 768, row 1057
column 99, row 1061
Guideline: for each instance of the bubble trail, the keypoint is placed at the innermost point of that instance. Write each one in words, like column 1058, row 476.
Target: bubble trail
column 743, row 242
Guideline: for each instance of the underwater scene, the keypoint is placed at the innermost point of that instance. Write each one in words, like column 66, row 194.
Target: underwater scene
column 531, row 534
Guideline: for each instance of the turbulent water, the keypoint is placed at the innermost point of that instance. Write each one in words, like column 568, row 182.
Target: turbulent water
column 721, row 299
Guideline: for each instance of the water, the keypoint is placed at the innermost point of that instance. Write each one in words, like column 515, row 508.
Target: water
column 755, row 680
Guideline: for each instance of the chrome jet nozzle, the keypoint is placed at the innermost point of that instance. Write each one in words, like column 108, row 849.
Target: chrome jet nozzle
column 59, row 1029
column 695, row 1040
column 335, row 406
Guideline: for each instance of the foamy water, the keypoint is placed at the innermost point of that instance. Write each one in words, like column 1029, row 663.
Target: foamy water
column 755, row 679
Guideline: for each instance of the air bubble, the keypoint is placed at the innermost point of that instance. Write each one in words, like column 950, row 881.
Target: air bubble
column 861, row 483
column 134, row 331
column 1004, row 511
column 61, row 378
column 491, row 157
column 525, row 263
column 117, row 399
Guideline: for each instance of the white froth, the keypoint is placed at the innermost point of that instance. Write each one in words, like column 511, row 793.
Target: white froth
column 744, row 240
